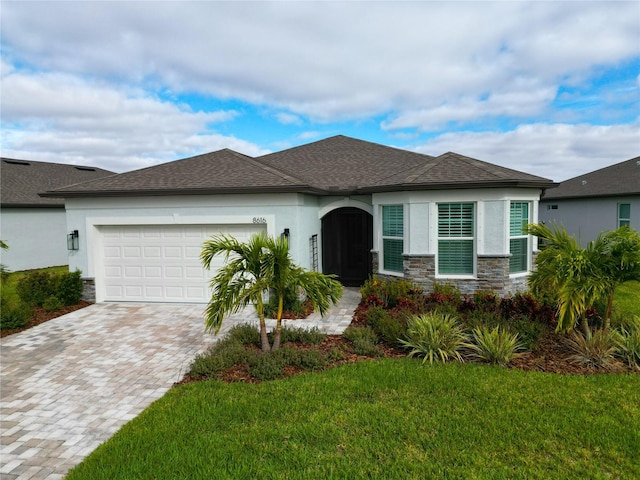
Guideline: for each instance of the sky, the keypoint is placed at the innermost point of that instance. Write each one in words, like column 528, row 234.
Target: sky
column 551, row 88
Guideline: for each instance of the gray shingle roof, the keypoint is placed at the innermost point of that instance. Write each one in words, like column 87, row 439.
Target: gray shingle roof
column 224, row 171
column 331, row 166
column 22, row 180
column 620, row 179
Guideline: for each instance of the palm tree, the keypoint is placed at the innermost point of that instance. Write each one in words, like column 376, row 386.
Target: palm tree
column 321, row 290
column 583, row 276
column 239, row 282
column 263, row 264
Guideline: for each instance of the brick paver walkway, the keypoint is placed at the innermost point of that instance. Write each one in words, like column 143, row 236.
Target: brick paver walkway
column 69, row 384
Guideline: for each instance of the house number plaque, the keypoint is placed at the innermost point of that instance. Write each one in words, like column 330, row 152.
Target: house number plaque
column 259, row 220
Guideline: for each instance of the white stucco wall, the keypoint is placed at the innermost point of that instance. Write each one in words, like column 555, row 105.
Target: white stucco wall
column 279, row 211
column 37, row 237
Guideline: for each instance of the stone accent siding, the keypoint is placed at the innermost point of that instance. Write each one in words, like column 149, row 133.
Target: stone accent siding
column 89, row 290
column 420, row 269
column 492, row 274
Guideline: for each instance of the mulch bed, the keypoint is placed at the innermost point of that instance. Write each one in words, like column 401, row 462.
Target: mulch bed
column 40, row 315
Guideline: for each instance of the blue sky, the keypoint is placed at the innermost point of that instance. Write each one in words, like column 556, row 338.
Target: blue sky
column 550, row 88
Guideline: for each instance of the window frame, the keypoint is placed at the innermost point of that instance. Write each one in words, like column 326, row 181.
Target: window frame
column 521, row 236
column 440, row 239
column 626, row 219
column 396, row 238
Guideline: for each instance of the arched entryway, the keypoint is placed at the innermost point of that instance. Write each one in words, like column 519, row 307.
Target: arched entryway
column 347, row 240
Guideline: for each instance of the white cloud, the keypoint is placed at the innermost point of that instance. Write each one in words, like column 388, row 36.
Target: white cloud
column 555, row 151
column 330, row 60
column 61, row 118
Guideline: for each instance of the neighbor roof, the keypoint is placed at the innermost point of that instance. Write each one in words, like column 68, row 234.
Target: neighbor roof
column 22, row 180
column 336, row 165
column 620, row 179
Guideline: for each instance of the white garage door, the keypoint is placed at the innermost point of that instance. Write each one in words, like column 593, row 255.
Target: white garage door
column 161, row 263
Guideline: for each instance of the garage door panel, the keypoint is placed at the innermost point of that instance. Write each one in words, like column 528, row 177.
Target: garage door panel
column 152, row 252
column 131, row 252
column 132, row 272
column 161, row 263
column 153, row 272
column 173, row 272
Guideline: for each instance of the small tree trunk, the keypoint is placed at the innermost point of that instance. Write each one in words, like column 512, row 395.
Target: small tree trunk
column 276, row 337
column 264, row 339
column 609, row 312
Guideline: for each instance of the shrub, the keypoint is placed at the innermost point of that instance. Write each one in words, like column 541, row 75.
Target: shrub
column 444, row 294
column 312, row 336
column 598, row 350
column 629, row 347
column 14, row 313
column 244, row 333
column 52, row 304
column 435, row 337
column 393, row 328
column 364, row 341
column 375, row 314
column 494, row 345
column 486, row 300
column 69, row 287
column 528, row 330
column 221, row 356
column 34, row 288
column 335, row 355
column 389, row 293
column 310, row 360
column 267, row 366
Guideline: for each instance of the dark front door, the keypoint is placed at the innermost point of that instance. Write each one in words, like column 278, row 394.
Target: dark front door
column 347, row 239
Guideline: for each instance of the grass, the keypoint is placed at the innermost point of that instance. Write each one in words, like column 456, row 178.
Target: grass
column 626, row 298
column 384, row 419
column 14, row 277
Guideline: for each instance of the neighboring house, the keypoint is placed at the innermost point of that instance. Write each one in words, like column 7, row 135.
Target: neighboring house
column 35, row 228
column 348, row 207
column 601, row 200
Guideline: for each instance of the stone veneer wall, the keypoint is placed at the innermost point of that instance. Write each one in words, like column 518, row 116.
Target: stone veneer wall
column 492, row 274
column 89, row 290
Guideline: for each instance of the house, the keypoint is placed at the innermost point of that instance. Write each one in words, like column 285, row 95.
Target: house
column 35, row 228
column 348, row 207
column 601, row 200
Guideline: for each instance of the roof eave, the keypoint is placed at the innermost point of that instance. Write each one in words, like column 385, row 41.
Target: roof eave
column 458, row 186
column 181, row 192
column 32, row 205
column 597, row 195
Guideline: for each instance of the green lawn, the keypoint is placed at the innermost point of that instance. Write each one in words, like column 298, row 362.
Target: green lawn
column 385, row 419
column 627, row 298
column 14, row 277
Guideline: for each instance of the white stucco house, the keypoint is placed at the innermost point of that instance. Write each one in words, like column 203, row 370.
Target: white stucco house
column 349, row 208
column 35, row 228
column 588, row 204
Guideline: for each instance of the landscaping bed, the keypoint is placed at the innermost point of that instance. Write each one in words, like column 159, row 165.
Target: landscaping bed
column 40, row 315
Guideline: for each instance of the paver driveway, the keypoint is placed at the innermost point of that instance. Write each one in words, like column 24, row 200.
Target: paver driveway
column 69, row 384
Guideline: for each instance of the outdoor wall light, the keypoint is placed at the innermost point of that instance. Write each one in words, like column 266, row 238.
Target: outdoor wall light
column 285, row 234
column 73, row 241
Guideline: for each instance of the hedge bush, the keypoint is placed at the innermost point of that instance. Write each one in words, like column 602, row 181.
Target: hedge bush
column 37, row 287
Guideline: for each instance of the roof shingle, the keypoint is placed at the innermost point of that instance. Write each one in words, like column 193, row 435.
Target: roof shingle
column 224, row 171
column 23, row 180
column 336, row 165
column 620, row 179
